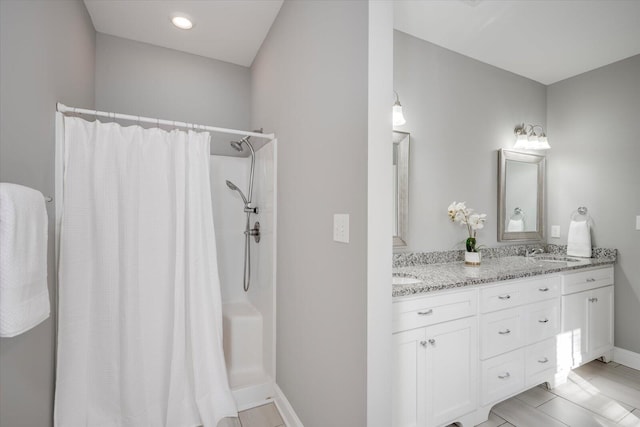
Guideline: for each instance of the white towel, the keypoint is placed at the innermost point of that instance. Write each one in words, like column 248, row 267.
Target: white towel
column 515, row 225
column 24, row 296
column 579, row 239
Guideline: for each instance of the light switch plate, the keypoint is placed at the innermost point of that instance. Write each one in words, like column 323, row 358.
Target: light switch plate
column 638, row 222
column 341, row 228
column 555, row 231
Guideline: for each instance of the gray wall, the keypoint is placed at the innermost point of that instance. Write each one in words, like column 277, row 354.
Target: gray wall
column 309, row 86
column 145, row 80
column 47, row 54
column 595, row 162
column 459, row 112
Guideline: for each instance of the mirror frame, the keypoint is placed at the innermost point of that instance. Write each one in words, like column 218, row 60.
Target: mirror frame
column 402, row 140
column 540, row 161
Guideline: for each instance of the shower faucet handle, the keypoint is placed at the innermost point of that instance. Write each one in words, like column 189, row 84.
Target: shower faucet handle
column 255, row 232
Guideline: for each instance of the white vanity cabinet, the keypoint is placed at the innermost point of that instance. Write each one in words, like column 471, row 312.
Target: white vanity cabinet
column 519, row 321
column 435, row 359
column 459, row 352
column 587, row 320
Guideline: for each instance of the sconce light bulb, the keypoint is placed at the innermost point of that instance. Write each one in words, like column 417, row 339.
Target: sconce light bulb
column 398, row 116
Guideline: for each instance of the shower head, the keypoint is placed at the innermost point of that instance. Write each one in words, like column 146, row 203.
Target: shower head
column 232, row 186
column 237, row 145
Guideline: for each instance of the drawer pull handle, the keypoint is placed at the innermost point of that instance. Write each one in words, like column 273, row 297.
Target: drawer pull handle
column 505, row 332
column 593, row 299
column 425, row 313
column 545, row 360
column 423, row 343
column 543, row 321
column 591, row 279
column 504, row 376
column 504, row 296
column 543, row 289
column 432, row 341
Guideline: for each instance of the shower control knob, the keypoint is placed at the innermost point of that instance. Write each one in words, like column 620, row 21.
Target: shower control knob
column 255, row 232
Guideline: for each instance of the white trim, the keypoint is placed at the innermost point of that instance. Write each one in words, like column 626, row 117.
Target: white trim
column 378, row 383
column 66, row 109
column 274, row 277
column 286, row 410
column 626, row 357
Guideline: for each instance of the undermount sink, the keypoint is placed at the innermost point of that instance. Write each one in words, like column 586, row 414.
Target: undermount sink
column 399, row 280
column 556, row 258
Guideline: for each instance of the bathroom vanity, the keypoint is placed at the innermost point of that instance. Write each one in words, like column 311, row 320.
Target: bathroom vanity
column 466, row 338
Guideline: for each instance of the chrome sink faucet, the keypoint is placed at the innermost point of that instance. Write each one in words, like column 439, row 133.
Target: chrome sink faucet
column 533, row 252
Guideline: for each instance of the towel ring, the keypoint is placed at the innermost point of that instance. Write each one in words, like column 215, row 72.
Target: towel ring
column 581, row 214
column 518, row 214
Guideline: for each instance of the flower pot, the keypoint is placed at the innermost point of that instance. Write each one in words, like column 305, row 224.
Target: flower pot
column 472, row 258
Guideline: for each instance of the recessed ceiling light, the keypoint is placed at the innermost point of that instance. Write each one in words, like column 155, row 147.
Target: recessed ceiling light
column 182, row 22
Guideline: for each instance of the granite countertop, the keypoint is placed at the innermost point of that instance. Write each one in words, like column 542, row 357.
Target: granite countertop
column 448, row 275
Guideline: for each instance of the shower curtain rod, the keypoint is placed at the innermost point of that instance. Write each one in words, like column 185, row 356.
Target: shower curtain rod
column 65, row 109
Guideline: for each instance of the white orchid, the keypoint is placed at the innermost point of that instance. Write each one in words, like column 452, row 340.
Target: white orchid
column 476, row 221
column 458, row 212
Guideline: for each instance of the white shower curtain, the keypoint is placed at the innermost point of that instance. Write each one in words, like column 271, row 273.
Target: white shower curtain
column 140, row 317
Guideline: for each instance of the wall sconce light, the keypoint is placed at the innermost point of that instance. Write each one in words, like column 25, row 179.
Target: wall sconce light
column 528, row 139
column 398, row 117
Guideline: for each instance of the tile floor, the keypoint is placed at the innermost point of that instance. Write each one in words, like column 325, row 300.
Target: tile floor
column 260, row 416
column 597, row 394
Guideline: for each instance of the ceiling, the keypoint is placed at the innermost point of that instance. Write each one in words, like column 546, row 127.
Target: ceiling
column 228, row 30
column 543, row 40
column 546, row 41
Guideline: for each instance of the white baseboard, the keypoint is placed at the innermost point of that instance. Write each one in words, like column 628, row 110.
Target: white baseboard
column 286, row 410
column 626, row 357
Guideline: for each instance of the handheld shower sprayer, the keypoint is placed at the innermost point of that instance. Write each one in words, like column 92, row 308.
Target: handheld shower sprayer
column 234, row 187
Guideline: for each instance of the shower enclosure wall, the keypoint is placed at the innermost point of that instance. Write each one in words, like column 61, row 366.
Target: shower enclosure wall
column 249, row 317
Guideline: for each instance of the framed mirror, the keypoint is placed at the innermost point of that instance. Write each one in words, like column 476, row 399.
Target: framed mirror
column 521, row 196
column 400, row 188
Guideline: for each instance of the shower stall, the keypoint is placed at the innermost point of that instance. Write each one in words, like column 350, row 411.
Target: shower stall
column 247, row 267
column 243, row 190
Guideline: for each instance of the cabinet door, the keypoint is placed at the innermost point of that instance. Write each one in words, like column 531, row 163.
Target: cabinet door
column 575, row 323
column 408, row 408
column 600, row 321
column 451, row 360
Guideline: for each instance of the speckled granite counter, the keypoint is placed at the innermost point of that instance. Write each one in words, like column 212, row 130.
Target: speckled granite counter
column 455, row 274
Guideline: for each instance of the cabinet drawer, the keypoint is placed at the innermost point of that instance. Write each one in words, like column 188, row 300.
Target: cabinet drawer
column 434, row 309
column 502, row 376
column 501, row 297
column 585, row 280
column 543, row 289
column 501, row 332
column 542, row 320
column 541, row 362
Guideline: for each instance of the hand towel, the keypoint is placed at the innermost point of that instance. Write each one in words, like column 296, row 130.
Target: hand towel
column 24, row 296
column 515, row 225
column 579, row 240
